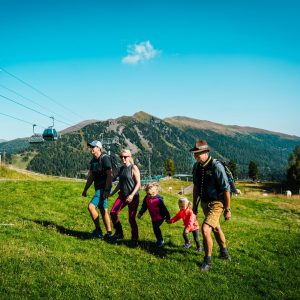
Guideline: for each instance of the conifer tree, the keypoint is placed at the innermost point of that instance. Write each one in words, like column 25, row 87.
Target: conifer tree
column 233, row 168
column 170, row 167
column 293, row 171
column 253, row 172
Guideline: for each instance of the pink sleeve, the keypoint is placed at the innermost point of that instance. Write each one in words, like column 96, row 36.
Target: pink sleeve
column 176, row 218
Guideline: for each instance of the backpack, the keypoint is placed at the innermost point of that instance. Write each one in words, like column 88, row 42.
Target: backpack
column 114, row 166
column 230, row 178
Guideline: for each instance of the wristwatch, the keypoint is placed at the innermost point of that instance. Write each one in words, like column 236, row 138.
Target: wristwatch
column 227, row 209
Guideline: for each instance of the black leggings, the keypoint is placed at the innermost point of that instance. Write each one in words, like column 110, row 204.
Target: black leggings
column 195, row 235
column 156, row 229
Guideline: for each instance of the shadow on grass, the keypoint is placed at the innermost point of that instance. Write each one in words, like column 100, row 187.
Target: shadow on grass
column 146, row 245
column 150, row 247
column 50, row 225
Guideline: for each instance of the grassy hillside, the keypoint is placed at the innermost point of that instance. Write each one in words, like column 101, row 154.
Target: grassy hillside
column 46, row 250
column 22, row 160
column 9, row 173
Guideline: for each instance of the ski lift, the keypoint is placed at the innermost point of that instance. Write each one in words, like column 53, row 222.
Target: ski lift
column 36, row 138
column 50, row 134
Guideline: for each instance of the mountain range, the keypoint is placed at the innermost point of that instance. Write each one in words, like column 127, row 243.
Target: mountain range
column 153, row 140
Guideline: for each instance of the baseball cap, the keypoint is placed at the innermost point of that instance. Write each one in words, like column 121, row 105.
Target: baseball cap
column 95, row 144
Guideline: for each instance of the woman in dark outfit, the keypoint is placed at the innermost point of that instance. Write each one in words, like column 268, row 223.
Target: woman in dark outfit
column 128, row 187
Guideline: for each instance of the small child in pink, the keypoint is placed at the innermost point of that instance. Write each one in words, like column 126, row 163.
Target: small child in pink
column 157, row 209
column 190, row 222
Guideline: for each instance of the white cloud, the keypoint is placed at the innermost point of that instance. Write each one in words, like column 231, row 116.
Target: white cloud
column 139, row 53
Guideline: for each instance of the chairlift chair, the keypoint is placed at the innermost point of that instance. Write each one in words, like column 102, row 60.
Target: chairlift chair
column 36, row 138
column 50, row 134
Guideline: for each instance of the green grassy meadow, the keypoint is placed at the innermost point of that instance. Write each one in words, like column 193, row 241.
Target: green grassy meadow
column 46, row 250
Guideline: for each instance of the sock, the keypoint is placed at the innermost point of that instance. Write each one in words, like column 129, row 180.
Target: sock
column 207, row 259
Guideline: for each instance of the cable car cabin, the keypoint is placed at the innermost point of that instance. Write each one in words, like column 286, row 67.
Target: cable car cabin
column 36, row 139
column 50, row 134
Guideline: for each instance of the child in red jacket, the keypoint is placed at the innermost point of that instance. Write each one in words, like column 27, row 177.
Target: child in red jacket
column 189, row 220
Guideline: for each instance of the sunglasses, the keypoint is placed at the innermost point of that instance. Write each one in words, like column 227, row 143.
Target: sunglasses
column 121, row 156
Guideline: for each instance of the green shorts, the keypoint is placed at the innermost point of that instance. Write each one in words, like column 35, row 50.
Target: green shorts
column 212, row 211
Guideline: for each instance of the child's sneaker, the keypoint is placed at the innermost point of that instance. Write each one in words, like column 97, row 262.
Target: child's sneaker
column 160, row 243
column 187, row 245
column 199, row 249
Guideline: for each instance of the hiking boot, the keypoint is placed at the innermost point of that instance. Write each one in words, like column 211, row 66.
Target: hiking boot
column 107, row 236
column 205, row 266
column 224, row 255
column 187, row 245
column 97, row 234
column 117, row 236
column 159, row 243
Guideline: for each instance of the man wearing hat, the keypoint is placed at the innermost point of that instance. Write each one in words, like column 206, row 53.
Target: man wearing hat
column 101, row 174
column 212, row 188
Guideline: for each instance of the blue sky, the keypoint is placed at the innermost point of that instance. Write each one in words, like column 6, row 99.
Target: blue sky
column 230, row 62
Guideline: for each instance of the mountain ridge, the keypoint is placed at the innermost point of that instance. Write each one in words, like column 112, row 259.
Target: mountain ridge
column 185, row 122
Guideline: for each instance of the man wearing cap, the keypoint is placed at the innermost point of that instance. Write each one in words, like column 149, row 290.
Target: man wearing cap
column 101, row 174
column 212, row 188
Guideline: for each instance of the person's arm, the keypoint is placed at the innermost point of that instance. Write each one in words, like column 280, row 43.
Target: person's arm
column 224, row 185
column 107, row 169
column 88, row 183
column 195, row 190
column 163, row 209
column 137, row 179
column 117, row 188
column 227, row 210
column 175, row 218
column 143, row 208
column 195, row 199
column 108, row 183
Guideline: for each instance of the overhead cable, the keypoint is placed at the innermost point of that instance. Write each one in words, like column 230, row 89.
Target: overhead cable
column 40, row 92
column 26, row 98
column 14, row 101
column 21, row 120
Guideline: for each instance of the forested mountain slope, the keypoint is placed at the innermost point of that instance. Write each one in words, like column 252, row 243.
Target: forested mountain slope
column 154, row 140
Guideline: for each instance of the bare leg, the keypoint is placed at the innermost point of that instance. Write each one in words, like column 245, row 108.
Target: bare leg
column 94, row 215
column 220, row 237
column 106, row 219
column 207, row 239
